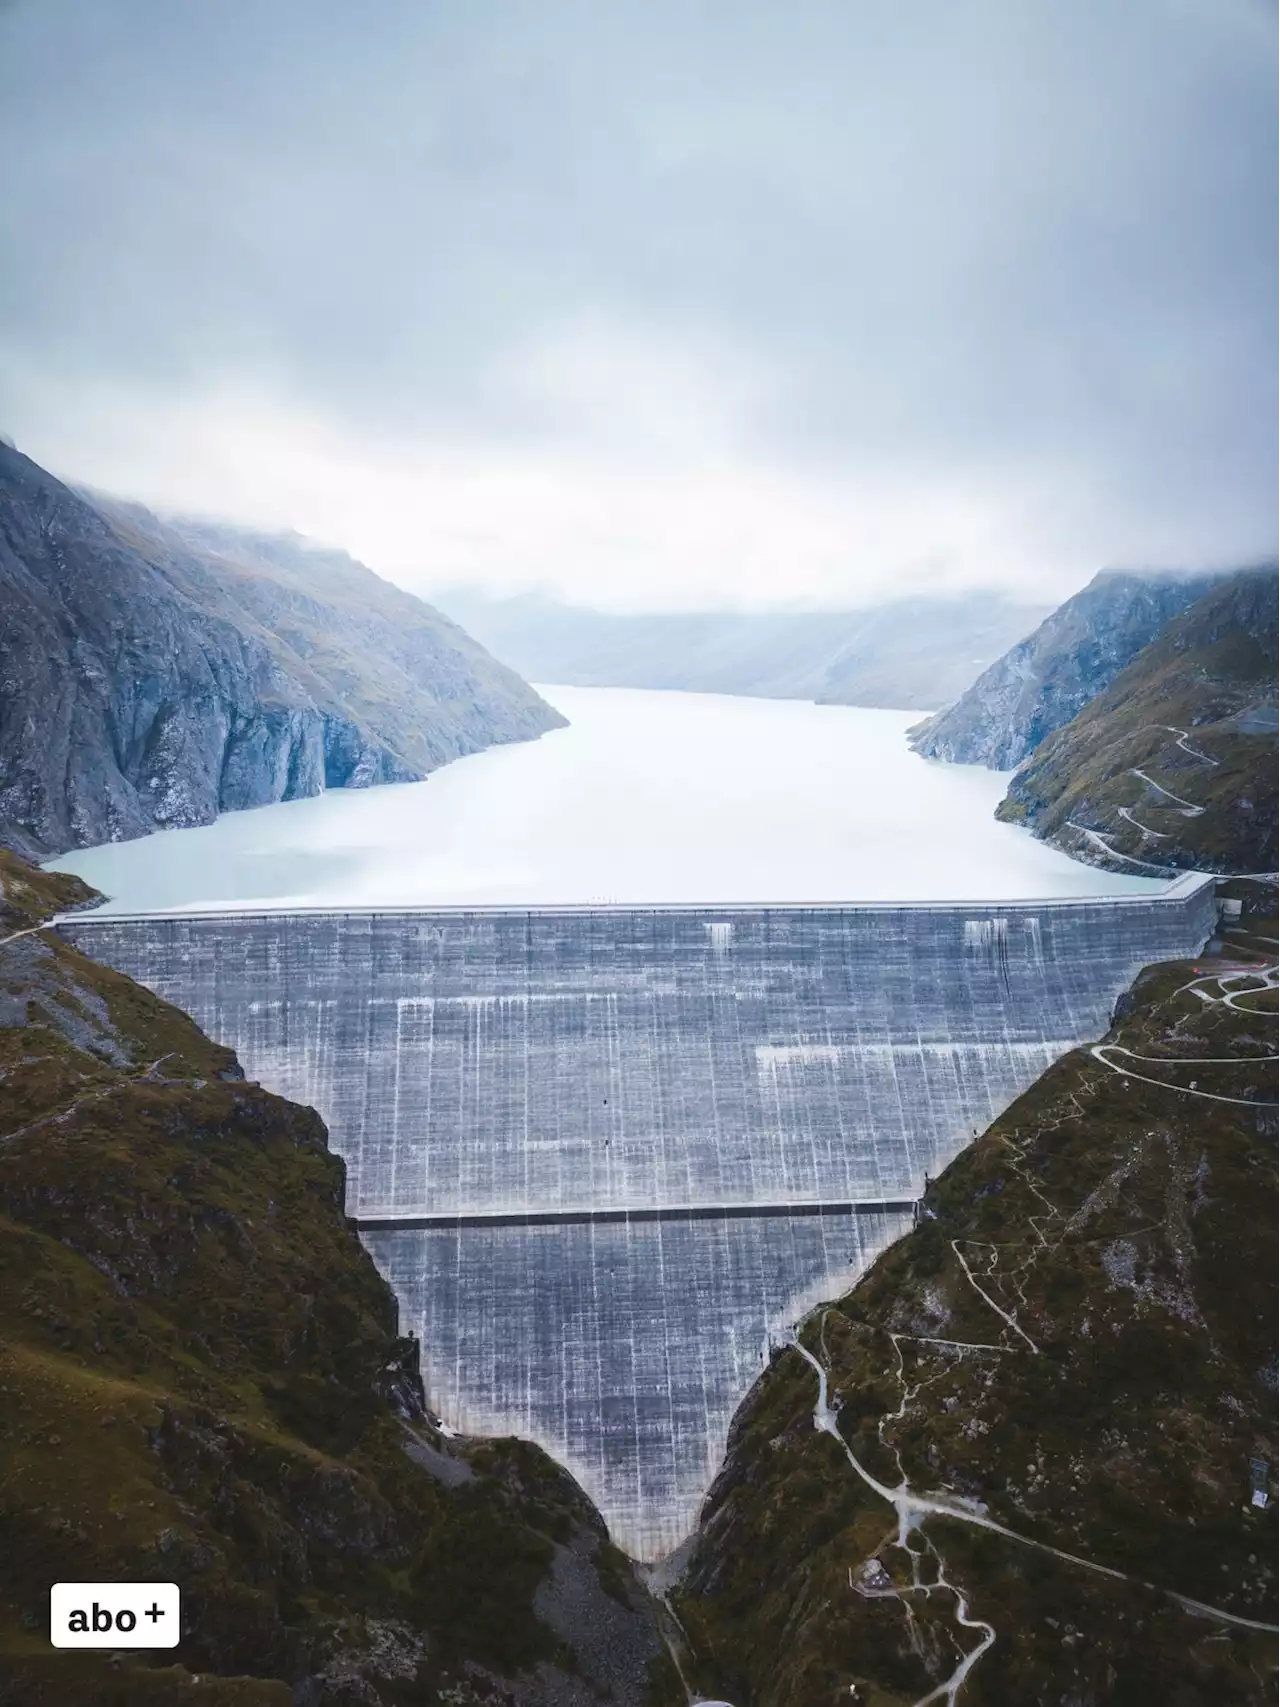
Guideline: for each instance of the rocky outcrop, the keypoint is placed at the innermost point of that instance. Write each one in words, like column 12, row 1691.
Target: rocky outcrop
column 1173, row 767
column 1043, row 681
column 909, row 654
column 202, row 1381
column 152, row 676
column 1061, row 1389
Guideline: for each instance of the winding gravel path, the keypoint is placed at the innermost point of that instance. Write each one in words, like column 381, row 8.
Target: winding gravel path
column 911, row 1508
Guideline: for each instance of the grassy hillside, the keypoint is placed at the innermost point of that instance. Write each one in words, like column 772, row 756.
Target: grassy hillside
column 1174, row 765
column 1076, row 1345
column 1046, row 679
column 201, row 1380
column 28, row 895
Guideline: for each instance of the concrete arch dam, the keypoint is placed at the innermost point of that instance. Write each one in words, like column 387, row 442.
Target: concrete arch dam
column 602, row 1154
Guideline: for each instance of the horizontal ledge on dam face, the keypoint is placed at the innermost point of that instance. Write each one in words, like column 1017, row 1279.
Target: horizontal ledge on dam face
column 1182, row 888
column 375, row 1222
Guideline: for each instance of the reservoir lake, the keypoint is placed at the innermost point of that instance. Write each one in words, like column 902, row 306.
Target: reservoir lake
column 647, row 797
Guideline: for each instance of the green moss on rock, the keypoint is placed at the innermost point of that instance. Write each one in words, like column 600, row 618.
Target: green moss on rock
column 202, row 1381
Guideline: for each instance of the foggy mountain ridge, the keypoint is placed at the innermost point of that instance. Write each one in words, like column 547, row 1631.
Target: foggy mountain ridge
column 1173, row 766
column 155, row 677
column 1045, row 679
column 911, row 654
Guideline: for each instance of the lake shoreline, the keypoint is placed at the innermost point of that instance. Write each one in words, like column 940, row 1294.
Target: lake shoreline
column 648, row 798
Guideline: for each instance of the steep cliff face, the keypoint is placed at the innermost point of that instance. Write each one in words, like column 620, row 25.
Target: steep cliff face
column 1045, row 679
column 151, row 678
column 1173, row 767
column 911, row 654
column 202, row 1381
column 1050, row 1406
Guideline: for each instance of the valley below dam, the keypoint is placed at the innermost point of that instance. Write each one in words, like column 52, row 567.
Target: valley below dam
column 608, row 1141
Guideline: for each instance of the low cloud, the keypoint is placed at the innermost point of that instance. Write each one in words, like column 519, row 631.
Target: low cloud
column 650, row 306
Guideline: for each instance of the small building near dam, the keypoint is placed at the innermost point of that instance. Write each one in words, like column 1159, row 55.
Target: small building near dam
column 604, row 1154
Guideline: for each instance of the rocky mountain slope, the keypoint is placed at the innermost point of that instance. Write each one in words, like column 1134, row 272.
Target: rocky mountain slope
column 1174, row 765
column 1043, row 681
column 1049, row 1405
column 911, row 654
column 201, row 1381
column 155, row 675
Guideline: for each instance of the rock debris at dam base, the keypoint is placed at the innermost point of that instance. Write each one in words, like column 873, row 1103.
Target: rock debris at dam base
column 603, row 1155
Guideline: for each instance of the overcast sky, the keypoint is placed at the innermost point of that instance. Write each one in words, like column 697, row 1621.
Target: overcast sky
column 656, row 304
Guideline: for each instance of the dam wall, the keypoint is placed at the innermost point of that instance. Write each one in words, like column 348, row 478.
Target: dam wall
column 603, row 1154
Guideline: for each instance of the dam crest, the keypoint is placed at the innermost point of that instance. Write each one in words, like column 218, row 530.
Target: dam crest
column 604, row 1154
